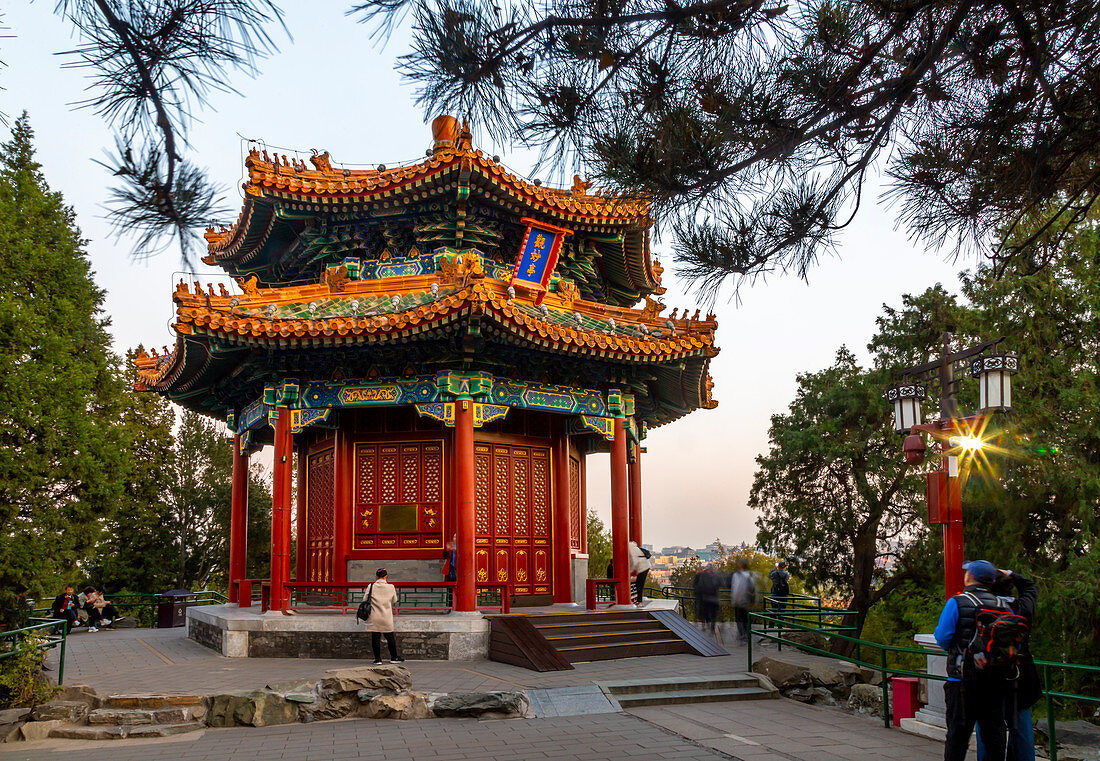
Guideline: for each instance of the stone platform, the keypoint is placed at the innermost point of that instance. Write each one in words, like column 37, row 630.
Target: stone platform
column 246, row 633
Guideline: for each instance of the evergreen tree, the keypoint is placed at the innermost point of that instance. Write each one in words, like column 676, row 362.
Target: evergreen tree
column 1039, row 511
column 133, row 556
column 754, row 125
column 172, row 528
column 833, row 490
column 599, row 546
column 61, row 457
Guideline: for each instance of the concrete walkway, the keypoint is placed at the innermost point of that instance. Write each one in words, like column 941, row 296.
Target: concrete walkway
column 143, row 660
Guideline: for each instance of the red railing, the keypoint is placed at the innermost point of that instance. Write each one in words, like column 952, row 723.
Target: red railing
column 412, row 595
column 244, row 591
column 603, row 591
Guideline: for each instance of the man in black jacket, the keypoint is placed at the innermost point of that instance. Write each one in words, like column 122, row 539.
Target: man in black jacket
column 65, row 607
column 972, row 696
column 1022, row 595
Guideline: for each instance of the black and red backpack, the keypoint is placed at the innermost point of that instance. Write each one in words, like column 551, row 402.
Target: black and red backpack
column 1000, row 636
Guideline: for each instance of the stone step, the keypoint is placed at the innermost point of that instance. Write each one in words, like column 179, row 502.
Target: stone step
column 151, row 700
column 678, row 683
column 670, row 697
column 110, row 732
column 588, row 639
column 141, row 716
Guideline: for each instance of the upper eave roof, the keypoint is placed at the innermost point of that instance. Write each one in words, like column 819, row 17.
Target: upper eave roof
column 271, row 180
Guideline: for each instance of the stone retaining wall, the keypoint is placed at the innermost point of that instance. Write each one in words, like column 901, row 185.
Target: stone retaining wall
column 245, row 632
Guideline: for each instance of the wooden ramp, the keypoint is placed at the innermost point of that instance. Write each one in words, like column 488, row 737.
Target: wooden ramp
column 514, row 640
column 554, row 641
column 699, row 642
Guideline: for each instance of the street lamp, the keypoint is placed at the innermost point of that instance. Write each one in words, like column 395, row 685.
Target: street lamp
column 906, row 398
column 953, row 434
column 994, row 374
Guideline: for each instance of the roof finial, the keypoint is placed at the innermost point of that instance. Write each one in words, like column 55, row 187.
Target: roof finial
column 445, row 133
column 466, row 139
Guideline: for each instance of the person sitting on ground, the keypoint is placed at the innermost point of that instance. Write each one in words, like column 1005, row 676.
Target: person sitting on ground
column 383, row 596
column 972, row 695
column 65, row 607
column 639, row 567
column 106, row 608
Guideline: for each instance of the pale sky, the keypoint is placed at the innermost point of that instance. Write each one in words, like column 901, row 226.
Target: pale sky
column 334, row 90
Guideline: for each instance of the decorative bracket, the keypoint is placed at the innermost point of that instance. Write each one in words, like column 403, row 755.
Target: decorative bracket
column 604, row 426
column 464, row 385
column 300, row 419
column 444, row 412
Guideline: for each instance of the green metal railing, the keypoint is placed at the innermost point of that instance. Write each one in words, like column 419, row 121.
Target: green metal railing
column 778, row 621
column 16, row 636
column 132, row 603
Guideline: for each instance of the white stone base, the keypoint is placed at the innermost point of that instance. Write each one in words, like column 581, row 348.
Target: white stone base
column 917, row 727
column 241, row 632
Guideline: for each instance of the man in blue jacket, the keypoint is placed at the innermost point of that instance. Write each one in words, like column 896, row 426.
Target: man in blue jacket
column 971, row 696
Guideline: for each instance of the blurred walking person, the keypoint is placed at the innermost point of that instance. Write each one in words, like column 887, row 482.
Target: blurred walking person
column 707, row 586
column 742, row 597
column 639, row 567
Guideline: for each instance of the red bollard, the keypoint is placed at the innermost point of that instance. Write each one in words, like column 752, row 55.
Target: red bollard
column 905, row 691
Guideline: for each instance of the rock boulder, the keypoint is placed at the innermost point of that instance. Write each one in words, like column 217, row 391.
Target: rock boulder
column 71, row 711
column 257, row 708
column 482, row 704
column 80, row 693
column 404, row 706
column 825, row 675
column 387, row 679
column 298, row 691
column 327, row 705
column 866, row 698
column 783, row 674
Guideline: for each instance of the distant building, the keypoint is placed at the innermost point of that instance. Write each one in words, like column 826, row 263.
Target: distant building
column 678, row 550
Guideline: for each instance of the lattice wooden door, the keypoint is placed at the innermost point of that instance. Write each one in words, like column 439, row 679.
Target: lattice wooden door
column 320, row 517
column 513, row 517
column 399, row 495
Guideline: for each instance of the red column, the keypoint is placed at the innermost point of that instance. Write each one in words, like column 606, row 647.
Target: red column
column 280, row 511
column 238, row 519
column 301, row 518
column 953, row 536
column 465, row 598
column 342, row 517
column 636, row 498
column 620, row 522
column 563, row 572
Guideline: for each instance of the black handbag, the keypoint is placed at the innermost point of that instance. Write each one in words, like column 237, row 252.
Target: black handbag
column 363, row 613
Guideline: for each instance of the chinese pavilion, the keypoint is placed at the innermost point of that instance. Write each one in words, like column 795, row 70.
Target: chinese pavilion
column 442, row 344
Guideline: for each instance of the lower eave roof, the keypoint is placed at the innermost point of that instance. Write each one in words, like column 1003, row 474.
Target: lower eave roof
column 216, row 333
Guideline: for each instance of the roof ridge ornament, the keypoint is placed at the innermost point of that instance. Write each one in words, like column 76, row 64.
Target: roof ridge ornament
column 445, row 133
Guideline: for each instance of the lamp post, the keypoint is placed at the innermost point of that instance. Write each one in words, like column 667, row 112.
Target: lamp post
column 956, row 436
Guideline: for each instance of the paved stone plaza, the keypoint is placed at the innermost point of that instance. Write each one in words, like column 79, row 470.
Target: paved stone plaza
column 142, row 660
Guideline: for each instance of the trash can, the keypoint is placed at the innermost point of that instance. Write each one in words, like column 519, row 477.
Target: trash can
column 905, row 704
column 172, row 608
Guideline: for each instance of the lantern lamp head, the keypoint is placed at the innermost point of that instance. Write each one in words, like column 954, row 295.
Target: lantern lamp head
column 906, row 398
column 994, row 373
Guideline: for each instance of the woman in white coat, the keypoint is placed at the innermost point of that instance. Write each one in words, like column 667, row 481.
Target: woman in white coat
column 383, row 596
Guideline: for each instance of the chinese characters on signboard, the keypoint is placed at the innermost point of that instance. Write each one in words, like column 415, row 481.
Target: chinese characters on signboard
column 538, row 255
